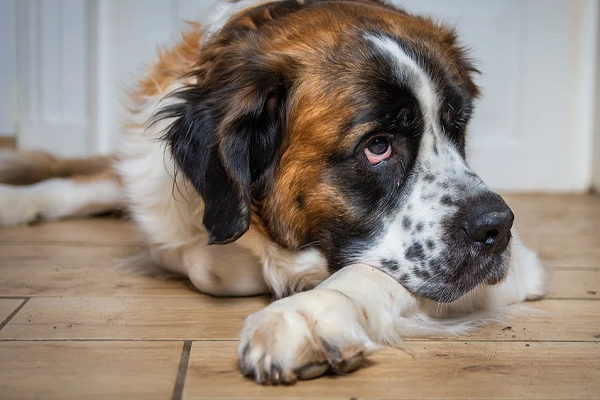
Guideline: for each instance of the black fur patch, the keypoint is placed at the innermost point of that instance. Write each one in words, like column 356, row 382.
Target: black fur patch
column 422, row 273
column 390, row 265
column 415, row 252
column 447, row 201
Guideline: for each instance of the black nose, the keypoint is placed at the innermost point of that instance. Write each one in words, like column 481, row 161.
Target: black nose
column 488, row 222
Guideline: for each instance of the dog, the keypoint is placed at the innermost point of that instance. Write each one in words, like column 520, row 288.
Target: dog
column 314, row 149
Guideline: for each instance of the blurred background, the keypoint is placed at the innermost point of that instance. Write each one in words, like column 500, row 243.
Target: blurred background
column 65, row 65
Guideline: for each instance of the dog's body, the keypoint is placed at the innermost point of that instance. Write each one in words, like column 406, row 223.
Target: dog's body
column 300, row 138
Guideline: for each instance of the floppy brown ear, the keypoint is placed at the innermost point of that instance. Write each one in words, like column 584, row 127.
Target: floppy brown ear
column 225, row 137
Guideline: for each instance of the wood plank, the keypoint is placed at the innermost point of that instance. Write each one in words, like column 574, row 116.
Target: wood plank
column 204, row 317
column 554, row 204
column 564, row 229
column 477, row 370
column 576, row 284
column 83, row 270
column 88, row 370
column 101, row 230
column 556, row 320
column 560, row 240
column 569, row 256
column 544, row 240
column 121, row 318
column 74, row 259
column 7, row 306
column 556, row 225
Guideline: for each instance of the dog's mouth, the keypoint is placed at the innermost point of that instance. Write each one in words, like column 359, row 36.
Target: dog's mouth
column 460, row 277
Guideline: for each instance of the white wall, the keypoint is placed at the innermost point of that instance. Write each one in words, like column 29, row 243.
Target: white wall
column 8, row 68
column 596, row 107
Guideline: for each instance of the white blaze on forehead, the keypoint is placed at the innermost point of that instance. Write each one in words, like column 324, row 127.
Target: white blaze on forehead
column 410, row 74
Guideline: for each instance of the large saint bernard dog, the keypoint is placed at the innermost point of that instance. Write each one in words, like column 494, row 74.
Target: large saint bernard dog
column 314, row 149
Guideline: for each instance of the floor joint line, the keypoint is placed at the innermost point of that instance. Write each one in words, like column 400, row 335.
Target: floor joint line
column 182, row 371
column 8, row 297
column 10, row 317
column 411, row 340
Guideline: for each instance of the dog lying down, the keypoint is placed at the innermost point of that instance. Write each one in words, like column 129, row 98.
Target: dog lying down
column 308, row 148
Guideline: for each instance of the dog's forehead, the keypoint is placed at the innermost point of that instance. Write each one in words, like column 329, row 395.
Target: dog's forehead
column 408, row 73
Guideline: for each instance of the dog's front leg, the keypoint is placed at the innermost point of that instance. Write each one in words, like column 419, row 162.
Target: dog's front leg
column 332, row 327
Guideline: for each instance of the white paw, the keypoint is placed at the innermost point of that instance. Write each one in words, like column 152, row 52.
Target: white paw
column 533, row 273
column 538, row 285
column 303, row 337
column 17, row 206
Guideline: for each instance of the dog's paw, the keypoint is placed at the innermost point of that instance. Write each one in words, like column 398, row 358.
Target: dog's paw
column 17, row 206
column 303, row 337
column 540, row 278
column 533, row 274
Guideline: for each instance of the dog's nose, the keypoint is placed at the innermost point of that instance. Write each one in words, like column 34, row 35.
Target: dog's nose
column 489, row 222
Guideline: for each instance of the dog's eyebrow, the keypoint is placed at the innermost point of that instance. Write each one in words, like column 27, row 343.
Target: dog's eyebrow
column 355, row 131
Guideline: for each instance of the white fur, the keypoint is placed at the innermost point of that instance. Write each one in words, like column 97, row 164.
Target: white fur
column 57, row 198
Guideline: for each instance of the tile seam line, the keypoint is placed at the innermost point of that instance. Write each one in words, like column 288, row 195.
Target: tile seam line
column 411, row 340
column 15, row 312
column 200, row 296
column 182, row 370
column 9, row 297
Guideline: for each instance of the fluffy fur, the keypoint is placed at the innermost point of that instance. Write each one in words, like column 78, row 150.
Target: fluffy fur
column 247, row 163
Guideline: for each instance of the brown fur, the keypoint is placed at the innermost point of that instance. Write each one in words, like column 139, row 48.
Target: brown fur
column 107, row 174
column 26, row 168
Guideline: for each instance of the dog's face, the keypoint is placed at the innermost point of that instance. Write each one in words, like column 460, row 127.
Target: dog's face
column 340, row 126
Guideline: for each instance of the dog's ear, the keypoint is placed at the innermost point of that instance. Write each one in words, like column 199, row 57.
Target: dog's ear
column 225, row 136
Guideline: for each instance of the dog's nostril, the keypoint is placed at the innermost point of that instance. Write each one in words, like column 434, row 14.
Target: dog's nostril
column 490, row 236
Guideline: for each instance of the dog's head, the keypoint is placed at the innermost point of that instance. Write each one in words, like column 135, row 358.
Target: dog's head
column 340, row 125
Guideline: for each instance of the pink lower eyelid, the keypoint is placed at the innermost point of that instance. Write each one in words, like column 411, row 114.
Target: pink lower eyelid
column 375, row 159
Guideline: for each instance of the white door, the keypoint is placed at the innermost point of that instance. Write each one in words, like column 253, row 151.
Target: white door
column 8, row 68
column 532, row 129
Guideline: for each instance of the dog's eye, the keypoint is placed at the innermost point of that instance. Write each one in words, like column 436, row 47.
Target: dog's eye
column 378, row 150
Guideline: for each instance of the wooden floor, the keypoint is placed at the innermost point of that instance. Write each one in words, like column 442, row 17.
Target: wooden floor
column 79, row 325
